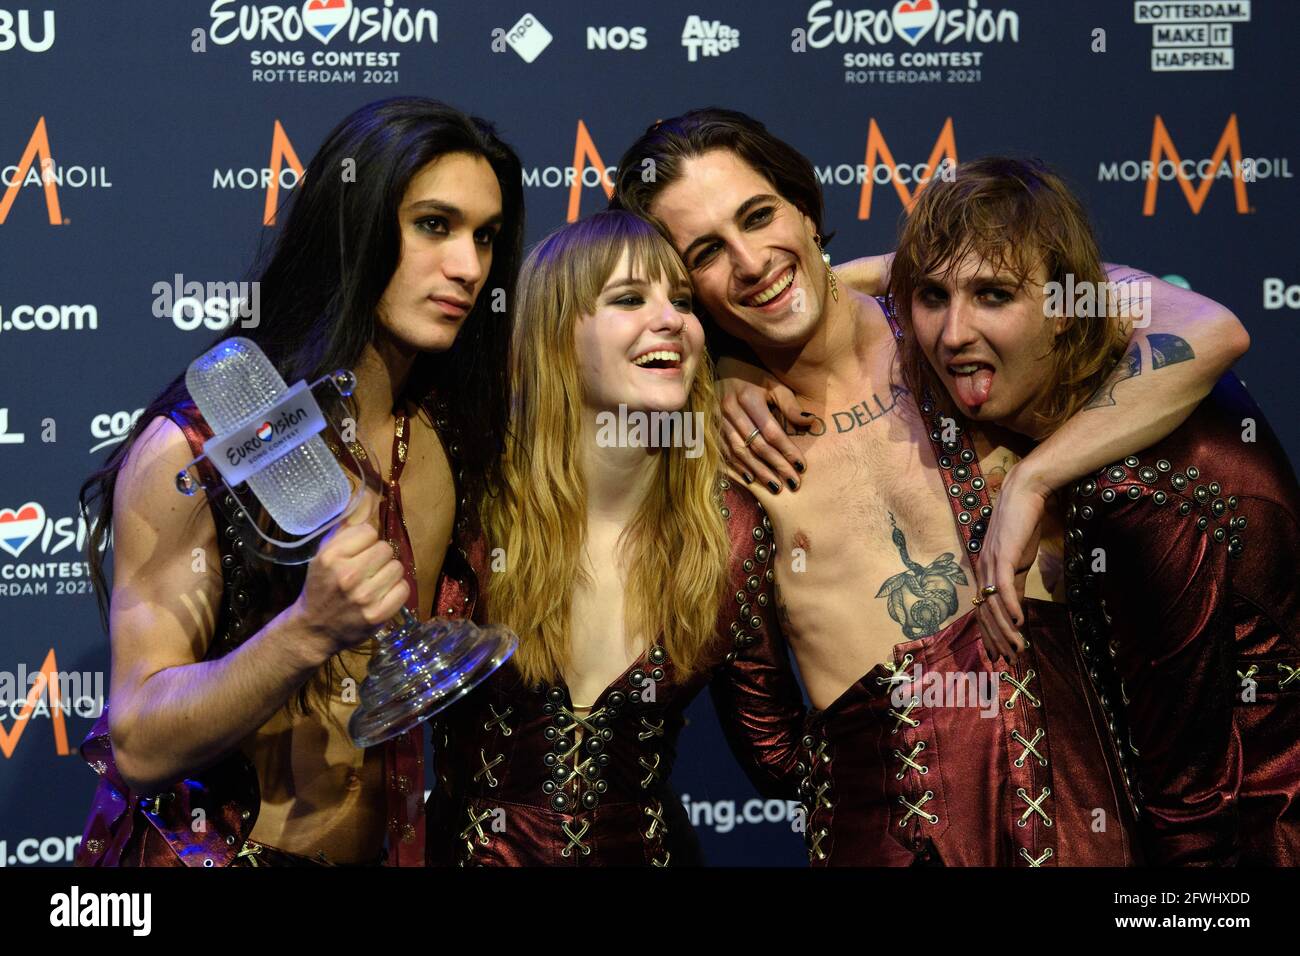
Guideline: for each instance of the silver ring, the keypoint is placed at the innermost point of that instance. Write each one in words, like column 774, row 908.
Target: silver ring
column 752, row 435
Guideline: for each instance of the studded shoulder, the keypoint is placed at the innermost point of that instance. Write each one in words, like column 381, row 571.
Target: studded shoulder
column 1184, row 490
column 752, row 559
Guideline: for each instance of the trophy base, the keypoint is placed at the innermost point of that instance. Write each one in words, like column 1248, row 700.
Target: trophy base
column 418, row 671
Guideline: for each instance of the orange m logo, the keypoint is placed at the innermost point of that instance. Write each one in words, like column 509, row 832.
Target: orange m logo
column 945, row 147
column 584, row 153
column 1162, row 145
column 281, row 149
column 38, row 144
column 50, row 681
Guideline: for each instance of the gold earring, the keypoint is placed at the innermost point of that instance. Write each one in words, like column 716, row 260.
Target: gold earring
column 830, row 273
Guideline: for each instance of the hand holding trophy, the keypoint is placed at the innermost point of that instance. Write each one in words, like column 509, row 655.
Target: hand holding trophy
column 268, row 458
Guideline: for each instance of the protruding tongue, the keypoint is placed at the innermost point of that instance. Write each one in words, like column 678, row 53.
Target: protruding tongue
column 973, row 389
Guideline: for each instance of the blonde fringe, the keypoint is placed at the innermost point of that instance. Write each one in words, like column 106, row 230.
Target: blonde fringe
column 675, row 550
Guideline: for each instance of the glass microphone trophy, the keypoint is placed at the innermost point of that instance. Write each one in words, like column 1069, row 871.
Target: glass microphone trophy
column 267, row 446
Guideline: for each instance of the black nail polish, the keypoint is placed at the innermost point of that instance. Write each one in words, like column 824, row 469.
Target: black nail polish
column 793, row 486
column 799, row 467
column 749, row 479
column 806, row 414
column 776, row 489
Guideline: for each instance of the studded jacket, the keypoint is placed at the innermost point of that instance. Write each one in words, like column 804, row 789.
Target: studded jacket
column 524, row 780
column 896, row 775
column 1183, row 592
column 130, row 829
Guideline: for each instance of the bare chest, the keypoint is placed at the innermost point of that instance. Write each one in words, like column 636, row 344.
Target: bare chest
column 869, row 554
column 600, row 648
column 428, row 506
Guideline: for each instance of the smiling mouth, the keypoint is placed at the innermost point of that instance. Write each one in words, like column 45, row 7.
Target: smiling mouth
column 660, row 359
column 772, row 291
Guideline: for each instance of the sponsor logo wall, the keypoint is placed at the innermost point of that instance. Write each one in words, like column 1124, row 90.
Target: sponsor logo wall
column 146, row 155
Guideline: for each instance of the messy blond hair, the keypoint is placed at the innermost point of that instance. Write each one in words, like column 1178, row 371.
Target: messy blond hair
column 674, row 552
column 1015, row 215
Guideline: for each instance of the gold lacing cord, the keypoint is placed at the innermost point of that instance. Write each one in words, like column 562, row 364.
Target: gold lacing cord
column 475, row 826
column 1288, row 673
column 651, row 730
column 250, row 851
column 815, row 846
column 1021, row 687
column 652, row 770
column 575, row 839
column 815, row 800
column 819, row 796
column 584, row 720
column 1029, row 747
column 1035, row 806
column 1047, row 855
column 499, row 720
column 587, row 769
column 914, row 809
column 910, row 761
column 1250, row 673
column 896, row 675
column 657, row 825
column 904, row 716
column 658, row 829
column 487, row 767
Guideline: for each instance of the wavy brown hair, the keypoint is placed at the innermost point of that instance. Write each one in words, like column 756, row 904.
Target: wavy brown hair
column 1016, row 215
column 675, row 550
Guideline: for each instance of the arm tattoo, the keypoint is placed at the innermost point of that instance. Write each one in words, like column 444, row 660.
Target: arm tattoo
column 1128, row 275
column 1129, row 366
column 922, row 597
column 1166, row 349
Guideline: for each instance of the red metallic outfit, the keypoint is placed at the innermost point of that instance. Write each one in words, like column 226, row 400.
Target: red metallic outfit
column 901, row 784
column 130, row 829
column 525, row 780
column 1183, row 593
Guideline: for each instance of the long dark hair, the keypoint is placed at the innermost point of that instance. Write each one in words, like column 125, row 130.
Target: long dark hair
column 328, row 269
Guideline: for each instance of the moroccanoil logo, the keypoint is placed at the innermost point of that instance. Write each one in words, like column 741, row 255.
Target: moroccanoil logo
column 46, row 693
column 283, row 170
column 48, row 176
column 880, row 168
column 1195, row 174
column 588, row 171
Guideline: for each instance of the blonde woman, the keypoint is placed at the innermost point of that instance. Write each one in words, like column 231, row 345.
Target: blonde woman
column 633, row 571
